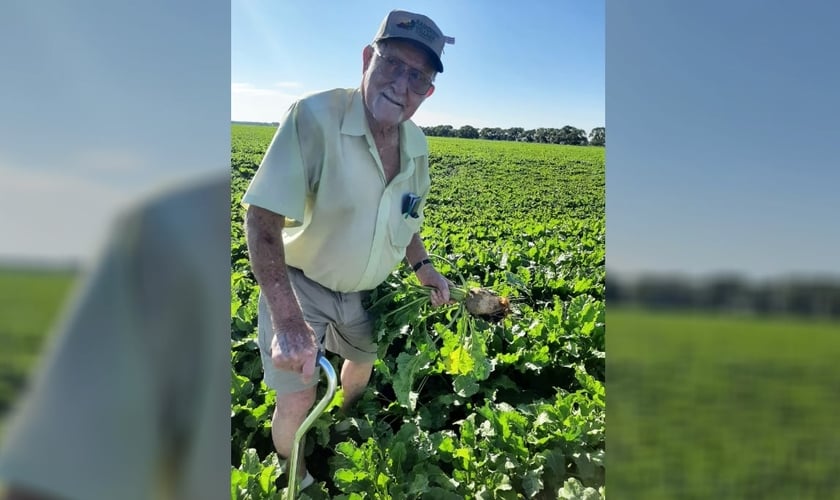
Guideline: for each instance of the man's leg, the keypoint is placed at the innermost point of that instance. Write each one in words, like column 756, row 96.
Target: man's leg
column 320, row 307
column 354, row 378
column 289, row 412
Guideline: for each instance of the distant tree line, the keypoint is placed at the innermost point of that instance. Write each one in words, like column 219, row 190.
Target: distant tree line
column 272, row 124
column 728, row 293
column 565, row 135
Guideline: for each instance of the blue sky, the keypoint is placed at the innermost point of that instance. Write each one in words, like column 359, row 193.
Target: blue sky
column 722, row 137
column 721, row 116
column 102, row 102
column 527, row 64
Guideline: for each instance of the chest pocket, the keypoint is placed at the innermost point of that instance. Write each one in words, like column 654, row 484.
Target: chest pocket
column 403, row 228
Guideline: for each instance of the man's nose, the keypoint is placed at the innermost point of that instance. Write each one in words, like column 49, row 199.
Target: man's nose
column 400, row 82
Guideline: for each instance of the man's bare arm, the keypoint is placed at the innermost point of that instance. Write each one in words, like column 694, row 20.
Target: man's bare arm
column 293, row 346
column 264, row 237
column 427, row 274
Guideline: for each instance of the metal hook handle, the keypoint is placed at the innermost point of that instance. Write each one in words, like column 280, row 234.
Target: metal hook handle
column 332, row 382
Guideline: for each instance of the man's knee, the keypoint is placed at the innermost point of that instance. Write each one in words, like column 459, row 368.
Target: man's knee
column 294, row 404
column 358, row 366
column 355, row 371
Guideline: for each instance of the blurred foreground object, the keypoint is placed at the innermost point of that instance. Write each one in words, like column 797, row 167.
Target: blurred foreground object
column 131, row 399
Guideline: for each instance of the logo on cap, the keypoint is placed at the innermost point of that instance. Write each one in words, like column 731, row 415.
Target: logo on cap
column 422, row 30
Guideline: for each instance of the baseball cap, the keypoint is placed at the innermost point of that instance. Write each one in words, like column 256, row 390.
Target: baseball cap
column 417, row 27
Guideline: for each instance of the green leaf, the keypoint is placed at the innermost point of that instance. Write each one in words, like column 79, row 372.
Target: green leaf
column 398, row 455
column 573, row 490
column 419, row 484
column 238, row 482
column 353, row 454
column 438, row 493
column 458, row 362
column 408, row 367
column 532, row 482
column 267, row 477
column 344, row 477
column 352, row 481
column 582, row 285
column 447, row 445
column 555, row 462
column 241, row 388
column 465, row 385
column 586, row 463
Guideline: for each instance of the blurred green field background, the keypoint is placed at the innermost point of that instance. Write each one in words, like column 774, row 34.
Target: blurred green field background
column 722, row 406
column 30, row 302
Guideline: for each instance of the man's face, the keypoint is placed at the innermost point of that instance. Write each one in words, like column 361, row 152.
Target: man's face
column 387, row 86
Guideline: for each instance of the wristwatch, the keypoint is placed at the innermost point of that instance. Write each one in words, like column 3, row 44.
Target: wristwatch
column 416, row 267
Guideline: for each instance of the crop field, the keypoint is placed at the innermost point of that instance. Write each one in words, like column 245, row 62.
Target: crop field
column 29, row 302
column 458, row 406
column 712, row 406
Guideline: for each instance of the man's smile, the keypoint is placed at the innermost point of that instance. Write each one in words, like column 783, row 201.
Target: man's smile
column 391, row 100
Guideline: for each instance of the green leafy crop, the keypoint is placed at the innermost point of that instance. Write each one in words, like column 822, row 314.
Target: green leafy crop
column 458, row 406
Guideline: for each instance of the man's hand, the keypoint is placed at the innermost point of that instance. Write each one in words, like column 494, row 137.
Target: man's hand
column 294, row 349
column 429, row 276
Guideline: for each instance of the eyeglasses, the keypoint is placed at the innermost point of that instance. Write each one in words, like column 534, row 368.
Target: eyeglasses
column 394, row 68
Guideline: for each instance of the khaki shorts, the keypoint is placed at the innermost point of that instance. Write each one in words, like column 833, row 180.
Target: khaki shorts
column 341, row 324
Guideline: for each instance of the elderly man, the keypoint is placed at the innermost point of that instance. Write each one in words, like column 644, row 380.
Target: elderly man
column 347, row 176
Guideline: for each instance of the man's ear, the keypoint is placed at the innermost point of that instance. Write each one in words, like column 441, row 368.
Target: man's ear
column 367, row 55
column 430, row 91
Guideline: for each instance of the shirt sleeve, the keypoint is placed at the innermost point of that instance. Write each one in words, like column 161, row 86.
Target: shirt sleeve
column 285, row 175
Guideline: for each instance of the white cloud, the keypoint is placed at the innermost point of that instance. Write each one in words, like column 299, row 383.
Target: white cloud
column 260, row 104
column 288, row 85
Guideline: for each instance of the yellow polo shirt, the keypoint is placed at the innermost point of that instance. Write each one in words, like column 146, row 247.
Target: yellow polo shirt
column 344, row 225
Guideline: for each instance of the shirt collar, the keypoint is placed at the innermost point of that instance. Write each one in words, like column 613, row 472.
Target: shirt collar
column 354, row 122
column 412, row 140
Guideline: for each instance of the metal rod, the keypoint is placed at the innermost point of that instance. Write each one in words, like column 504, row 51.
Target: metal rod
column 332, row 382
